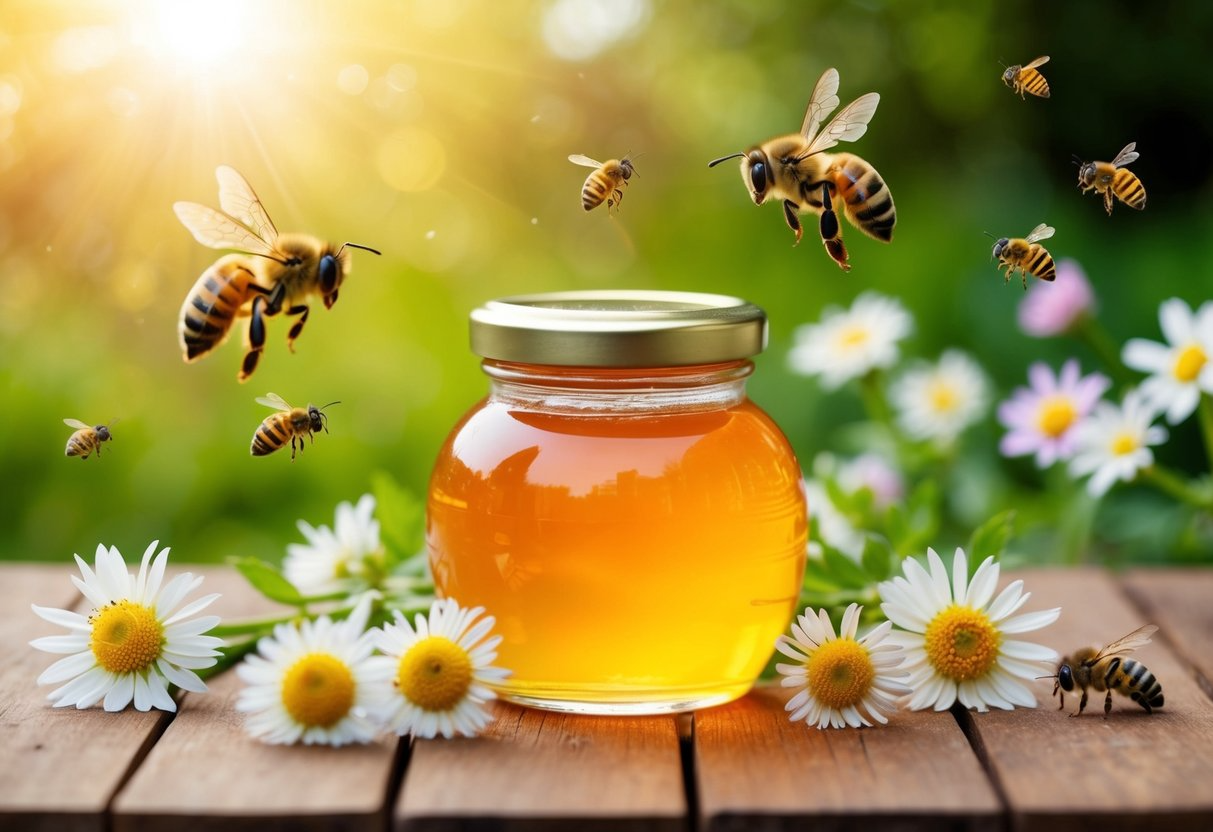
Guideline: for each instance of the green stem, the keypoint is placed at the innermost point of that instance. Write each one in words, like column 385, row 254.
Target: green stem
column 1171, row 483
column 871, row 390
column 231, row 655
column 1089, row 331
column 1205, row 413
column 250, row 626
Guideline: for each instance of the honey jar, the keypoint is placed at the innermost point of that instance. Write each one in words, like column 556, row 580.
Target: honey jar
column 633, row 521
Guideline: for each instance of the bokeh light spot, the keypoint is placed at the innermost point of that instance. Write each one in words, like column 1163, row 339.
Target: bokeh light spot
column 10, row 95
column 352, row 79
column 580, row 29
column 411, row 159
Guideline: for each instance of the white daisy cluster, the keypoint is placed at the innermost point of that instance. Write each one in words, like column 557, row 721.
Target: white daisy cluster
column 952, row 646
column 351, row 549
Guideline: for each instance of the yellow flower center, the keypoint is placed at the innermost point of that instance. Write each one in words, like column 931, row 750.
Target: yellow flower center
column 318, row 690
column 1055, row 416
column 126, row 637
column 1189, row 363
column 853, row 337
column 961, row 643
column 434, row 674
column 1124, row 443
column 943, row 396
column 840, row 673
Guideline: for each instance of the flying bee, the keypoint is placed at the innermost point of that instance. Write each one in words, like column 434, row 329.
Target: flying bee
column 272, row 273
column 86, row 439
column 1023, row 79
column 1027, row 255
column 793, row 168
column 291, row 423
column 606, row 182
column 1105, row 669
column 1110, row 178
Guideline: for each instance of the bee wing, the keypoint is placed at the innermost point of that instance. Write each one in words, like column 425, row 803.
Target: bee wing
column 75, row 423
column 823, row 102
column 850, row 123
column 584, row 161
column 273, row 400
column 237, row 198
column 1126, row 155
column 1041, row 232
column 1041, row 61
column 1138, row 638
column 215, row 229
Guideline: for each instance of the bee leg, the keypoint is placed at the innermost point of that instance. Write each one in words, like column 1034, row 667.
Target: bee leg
column 292, row 449
column 792, row 219
column 255, row 339
column 1082, row 703
column 1107, row 201
column 301, row 310
column 831, row 232
column 1107, row 704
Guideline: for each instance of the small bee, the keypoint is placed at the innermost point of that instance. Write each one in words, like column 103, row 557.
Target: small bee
column 1104, row 669
column 1023, row 79
column 605, row 183
column 1027, row 255
column 1110, row 178
column 86, row 439
column 288, row 423
column 272, row 273
column 793, row 168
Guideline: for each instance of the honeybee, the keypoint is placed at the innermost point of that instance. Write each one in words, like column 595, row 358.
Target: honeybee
column 272, row 273
column 1105, row 669
column 1110, row 178
column 794, row 168
column 291, row 423
column 606, row 182
column 1027, row 255
column 1023, row 79
column 86, row 439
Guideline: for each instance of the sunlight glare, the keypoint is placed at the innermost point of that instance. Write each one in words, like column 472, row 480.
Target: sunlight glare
column 193, row 35
column 579, row 29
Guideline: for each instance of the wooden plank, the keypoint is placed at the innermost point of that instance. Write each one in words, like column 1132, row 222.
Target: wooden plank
column 1181, row 602
column 533, row 770
column 758, row 770
column 1130, row 771
column 60, row 766
column 207, row 769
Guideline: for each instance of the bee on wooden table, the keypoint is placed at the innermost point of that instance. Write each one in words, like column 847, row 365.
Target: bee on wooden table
column 291, row 423
column 1027, row 255
column 272, row 273
column 86, row 439
column 794, row 169
column 605, row 183
column 1111, row 178
column 1023, row 79
column 1106, row 669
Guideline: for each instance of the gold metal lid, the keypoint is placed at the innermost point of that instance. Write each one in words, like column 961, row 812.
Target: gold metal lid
column 618, row 328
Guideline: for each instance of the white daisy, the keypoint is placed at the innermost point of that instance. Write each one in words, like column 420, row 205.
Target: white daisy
column 440, row 669
column 848, row 344
column 828, row 525
column 1113, row 443
column 839, row 674
column 137, row 640
column 313, row 682
column 332, row 555
column 938, row 402
column 1180, row 369
column 956, row 636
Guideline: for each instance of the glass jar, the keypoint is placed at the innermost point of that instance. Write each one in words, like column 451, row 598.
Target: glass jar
column 634, row 522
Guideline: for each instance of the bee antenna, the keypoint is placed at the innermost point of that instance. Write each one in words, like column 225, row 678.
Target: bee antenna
column 1076, row 159
column 364, row 248
column 330, row 404
column 988, row 234
column 716, row 162
column 1054, row 676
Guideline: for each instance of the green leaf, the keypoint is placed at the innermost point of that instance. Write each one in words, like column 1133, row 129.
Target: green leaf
column 877, row 558
column 991, row 537
column 267, row 580
column 401, row 519
column 847, row 572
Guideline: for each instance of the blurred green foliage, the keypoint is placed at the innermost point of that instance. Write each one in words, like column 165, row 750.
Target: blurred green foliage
column 465, row 107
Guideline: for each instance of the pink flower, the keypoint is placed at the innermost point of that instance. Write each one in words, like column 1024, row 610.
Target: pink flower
column 1052, row 308
column 1041, row 419
column 873, row 472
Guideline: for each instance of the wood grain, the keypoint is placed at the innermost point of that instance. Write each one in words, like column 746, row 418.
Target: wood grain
column 756, row 769
column 1181, row 602
column 546, row 771
column 1129, row 771
column 60, row 766
column 206, row 769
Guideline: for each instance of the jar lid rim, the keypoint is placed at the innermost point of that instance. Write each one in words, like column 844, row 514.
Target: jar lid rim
column 618, row 328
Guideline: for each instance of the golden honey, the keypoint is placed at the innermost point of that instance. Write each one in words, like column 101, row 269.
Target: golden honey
column 638, row 532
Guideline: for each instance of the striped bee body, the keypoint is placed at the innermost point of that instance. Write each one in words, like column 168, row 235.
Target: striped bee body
column 212, row 306
column 1026, row 255
column 605, row 183
column 1131, row 678
column 1027, row 79
column 86, row 439
column 866, row 200
column 1111, row 179
column 288, row 424
column 1110, row 669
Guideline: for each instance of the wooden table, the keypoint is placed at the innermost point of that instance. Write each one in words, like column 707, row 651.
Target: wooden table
column 738, row 767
